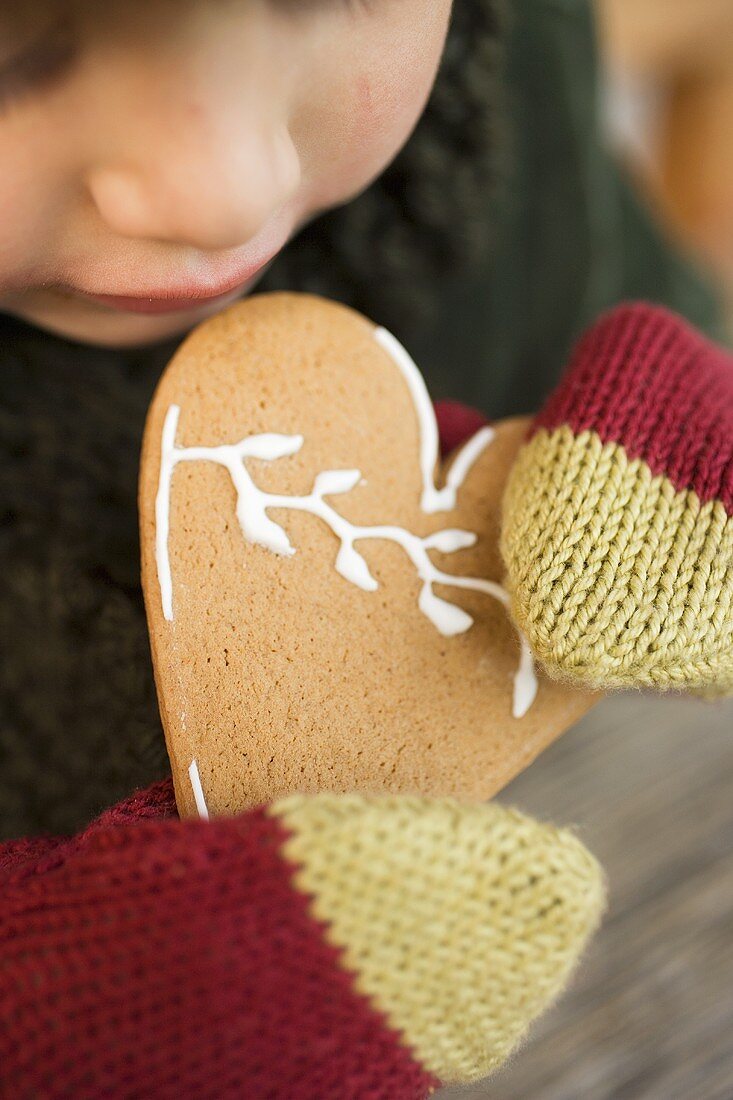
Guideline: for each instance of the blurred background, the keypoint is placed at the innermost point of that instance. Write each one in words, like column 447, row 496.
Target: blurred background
column 669, row 109
column 649, row 782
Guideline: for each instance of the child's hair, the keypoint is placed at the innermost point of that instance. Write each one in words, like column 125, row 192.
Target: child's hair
column 430, row 211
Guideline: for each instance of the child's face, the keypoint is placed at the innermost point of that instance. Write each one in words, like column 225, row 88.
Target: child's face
column 169, row 149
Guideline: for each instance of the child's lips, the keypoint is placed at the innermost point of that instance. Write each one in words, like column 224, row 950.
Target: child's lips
column 190, row 294
column 160, row 304
column 176, row 299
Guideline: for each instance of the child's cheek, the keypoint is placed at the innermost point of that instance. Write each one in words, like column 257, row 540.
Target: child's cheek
column 32, row 190
column 19, row 234
column 373, row 113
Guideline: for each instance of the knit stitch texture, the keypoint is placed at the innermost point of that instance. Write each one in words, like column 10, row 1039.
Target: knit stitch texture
column 325, row 948
column 617, row 522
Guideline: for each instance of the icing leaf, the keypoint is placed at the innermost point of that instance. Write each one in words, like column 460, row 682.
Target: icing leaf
column 448, row 618
column 262, row 531
column 271, row 445
column 449, row 540
column 352, row 567
column 336, row 481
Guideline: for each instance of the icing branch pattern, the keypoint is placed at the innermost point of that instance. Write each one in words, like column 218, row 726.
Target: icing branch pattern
column 257, row 527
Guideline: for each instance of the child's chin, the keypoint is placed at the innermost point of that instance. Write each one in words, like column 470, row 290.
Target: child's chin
column 87, row 323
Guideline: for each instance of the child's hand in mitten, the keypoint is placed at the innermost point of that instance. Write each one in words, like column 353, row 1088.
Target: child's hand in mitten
column 322, row 948
column 617, row 525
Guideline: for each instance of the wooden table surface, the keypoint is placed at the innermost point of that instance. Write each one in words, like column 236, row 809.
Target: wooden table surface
column 649, row 1015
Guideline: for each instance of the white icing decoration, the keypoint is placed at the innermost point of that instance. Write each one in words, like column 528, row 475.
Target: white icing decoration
column 465, row 458
column 256, row 526
column 449, row 540
column 253, row 504
column 432, row 499
column 525, row 681
column 198, row 791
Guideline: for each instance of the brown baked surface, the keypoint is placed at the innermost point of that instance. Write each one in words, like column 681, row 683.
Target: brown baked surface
column 278, row 675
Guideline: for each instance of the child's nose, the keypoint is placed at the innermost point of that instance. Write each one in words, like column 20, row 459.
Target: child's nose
column 209, row 194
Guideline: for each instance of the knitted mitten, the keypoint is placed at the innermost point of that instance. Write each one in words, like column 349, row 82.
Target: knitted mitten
column 617, row 530
column 319, row 948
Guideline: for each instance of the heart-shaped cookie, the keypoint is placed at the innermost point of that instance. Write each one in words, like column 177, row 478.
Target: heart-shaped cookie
column 323, row 615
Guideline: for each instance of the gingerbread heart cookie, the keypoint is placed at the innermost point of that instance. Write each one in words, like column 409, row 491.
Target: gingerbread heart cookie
column 325, row 606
